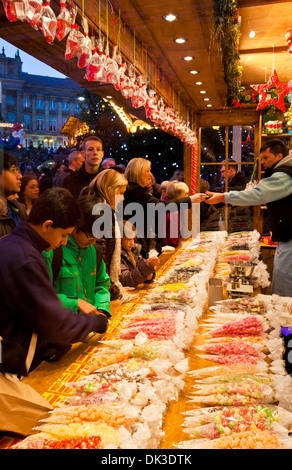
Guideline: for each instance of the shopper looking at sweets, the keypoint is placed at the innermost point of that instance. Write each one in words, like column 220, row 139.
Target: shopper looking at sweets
column 29, row 303
column 80, row 277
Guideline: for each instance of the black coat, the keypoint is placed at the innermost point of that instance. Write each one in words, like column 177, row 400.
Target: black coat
column 78, row 180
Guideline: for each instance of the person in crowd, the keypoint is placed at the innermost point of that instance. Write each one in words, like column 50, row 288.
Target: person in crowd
column 275, row 190
column 75, row 161
column 80, row 277
column 175, row 190
column 29, row 303
column 134, row 268
column 118, row 168
column 236, row 180
column 108, row 163
column 154, row 188
column 45, row 179
column 11, row 212
column 138, row 174
column 29, row 191
column 109, row 185
column 92, row 150
column 205, row 209
column 163, row 190
column 178, row 175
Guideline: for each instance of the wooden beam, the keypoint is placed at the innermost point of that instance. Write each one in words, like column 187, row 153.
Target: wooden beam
column 229, row 117
column 257, row 3
column 264, row 50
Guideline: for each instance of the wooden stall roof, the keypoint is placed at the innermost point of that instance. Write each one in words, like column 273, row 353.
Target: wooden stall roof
column 270, row 20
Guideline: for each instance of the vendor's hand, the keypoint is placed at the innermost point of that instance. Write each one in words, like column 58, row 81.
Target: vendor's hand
column 199, row 197
column 86, row 307
column 215, row 198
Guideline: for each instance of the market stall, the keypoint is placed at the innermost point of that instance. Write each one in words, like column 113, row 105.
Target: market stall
column 172, row 372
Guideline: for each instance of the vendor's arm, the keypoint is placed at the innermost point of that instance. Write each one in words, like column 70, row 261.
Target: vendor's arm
column 277, row 186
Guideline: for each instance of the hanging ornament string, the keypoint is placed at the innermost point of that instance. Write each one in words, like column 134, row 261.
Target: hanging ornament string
column 194, row 168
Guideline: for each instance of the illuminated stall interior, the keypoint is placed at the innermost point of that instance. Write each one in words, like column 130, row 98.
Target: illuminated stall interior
column 200, row 59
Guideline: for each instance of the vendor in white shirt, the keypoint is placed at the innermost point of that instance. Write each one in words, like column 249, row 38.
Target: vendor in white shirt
column 274, row 190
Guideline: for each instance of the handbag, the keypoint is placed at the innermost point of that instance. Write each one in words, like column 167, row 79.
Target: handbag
column 21, row 407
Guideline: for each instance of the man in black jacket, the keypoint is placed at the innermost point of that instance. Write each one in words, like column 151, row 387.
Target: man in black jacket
column 29, row 303
column 92, row 150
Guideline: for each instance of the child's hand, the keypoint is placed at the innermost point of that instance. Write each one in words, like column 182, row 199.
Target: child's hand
column 154, row 262
column 86, row 307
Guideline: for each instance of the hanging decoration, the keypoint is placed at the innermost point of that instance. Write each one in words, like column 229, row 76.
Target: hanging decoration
column 63, row 22
column 48, row 22
column 194, row 168
column 226, row 33
column 288, row 37
column 288, row 118
column 102, row 66
column 265, row 91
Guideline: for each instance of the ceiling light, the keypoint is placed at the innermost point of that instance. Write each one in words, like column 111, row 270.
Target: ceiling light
column 199, row 83
column 206, row 99
column 203, row 91
column 180, row 40
column 170, row 17
column 209, row 105
column 193, row 72
column 252, row 34
column 188, row 58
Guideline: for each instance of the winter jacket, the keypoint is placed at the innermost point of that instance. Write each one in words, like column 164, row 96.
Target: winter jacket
column 134, row 268
column 78, row 278
column 138, row 194
column 8, row 220
column 78, row 180
column 28, row 300
column 277, row 187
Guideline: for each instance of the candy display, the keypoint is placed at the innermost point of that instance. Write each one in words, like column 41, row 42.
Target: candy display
column 92, row 442
column 15, row 10
column 34, row 11
column 64, row 20
column 118, row 392
column 242, row 440
column 48, row 22
column 237, row 347
column 111, row 413
column 245, row 327
column 244, row 386
column 249, row 305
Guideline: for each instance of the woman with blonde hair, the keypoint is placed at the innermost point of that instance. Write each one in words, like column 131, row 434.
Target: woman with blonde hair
column 110, row 185
column 138, row 174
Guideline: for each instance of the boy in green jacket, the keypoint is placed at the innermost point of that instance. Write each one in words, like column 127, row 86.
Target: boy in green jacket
column 82, row 283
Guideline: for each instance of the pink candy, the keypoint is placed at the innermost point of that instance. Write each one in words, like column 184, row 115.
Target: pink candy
column 248, row 326
column 231, row 348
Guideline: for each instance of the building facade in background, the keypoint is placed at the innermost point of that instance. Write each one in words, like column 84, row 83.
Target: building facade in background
column 41, row 104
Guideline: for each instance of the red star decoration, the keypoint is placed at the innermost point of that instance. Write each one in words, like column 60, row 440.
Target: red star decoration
column 272, row 82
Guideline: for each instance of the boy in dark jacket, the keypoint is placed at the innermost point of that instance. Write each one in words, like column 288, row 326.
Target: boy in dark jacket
column 29, row 303
column 11, row 212
column 134, row 268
